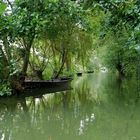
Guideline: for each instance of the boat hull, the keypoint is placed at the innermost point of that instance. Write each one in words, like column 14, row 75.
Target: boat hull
column 46, row 83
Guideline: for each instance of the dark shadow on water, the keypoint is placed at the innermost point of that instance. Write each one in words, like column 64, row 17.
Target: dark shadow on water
column 42, row 91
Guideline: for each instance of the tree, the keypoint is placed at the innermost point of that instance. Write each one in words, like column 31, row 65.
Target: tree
column 122, row 17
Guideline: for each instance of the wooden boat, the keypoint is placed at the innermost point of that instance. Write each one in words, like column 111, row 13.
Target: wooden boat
column 79, row 74
column 53, row 83
column 90, row 71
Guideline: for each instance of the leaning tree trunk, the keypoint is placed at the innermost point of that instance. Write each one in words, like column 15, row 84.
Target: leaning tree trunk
column 18, row 80
column 64, row 54
column 27, row 56
column 7, row 48
column 5, row 57
column 5, row 63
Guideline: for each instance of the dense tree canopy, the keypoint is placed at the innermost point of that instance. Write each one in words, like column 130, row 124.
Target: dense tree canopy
column 49, row 39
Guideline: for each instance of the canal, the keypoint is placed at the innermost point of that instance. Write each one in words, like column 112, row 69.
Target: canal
column 98, row 107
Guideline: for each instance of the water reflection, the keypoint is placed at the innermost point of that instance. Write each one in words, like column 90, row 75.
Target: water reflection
column 98, row 108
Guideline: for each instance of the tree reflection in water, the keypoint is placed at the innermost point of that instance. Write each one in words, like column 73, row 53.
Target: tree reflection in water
column 96, row 104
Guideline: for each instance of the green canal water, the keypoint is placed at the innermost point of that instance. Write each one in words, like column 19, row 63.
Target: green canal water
column 98, row 107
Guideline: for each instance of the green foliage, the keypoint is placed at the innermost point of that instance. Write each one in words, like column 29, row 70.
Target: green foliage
column 62, row 17
column 2, row 7
column 58, row 37
column 120, row 55
column 4, row 90
column 120, row 34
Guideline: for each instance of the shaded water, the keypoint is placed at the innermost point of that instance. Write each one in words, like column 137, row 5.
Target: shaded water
column 99, row 107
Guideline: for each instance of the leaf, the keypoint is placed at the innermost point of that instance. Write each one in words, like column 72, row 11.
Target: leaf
column 2, row 7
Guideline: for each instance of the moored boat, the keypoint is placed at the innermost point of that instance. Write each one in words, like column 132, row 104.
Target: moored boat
column 79, row 73
column 32, row 84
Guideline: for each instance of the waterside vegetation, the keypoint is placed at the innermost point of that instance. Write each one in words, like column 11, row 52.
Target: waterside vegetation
column 57, row 38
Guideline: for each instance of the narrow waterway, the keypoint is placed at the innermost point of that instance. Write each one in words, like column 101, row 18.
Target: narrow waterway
column 98, row 107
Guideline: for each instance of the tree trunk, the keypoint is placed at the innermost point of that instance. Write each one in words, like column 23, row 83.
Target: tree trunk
column 68, row 62
column 5, row 63
column 7, row 48
column 26, row 61
column 119, row 68
column 27, row 56
column 39, row 74
column 62, row 65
